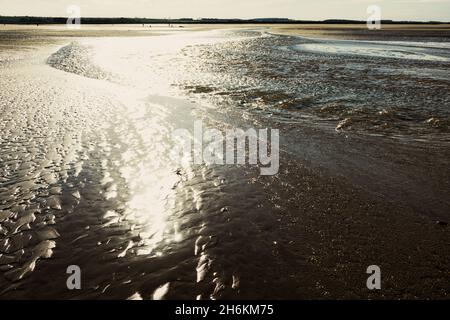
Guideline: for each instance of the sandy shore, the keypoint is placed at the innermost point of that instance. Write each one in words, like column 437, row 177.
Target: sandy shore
column 338, row 31
column 360, row 32
column 87, row 180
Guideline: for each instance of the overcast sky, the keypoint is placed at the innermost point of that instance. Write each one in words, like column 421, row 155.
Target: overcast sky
column 296, row 9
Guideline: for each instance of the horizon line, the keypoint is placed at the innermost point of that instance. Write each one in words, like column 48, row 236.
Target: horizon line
column 209, row 19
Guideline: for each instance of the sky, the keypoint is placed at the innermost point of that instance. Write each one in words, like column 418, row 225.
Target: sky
column 419, row 10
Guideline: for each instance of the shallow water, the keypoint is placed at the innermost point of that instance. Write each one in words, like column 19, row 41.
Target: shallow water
column 86, row 176
column 401, row 50
column 288, row 77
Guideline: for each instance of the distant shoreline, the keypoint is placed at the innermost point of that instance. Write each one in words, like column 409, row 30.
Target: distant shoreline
column 26, row 20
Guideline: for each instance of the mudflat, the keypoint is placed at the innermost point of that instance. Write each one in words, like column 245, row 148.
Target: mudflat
column 86, row 176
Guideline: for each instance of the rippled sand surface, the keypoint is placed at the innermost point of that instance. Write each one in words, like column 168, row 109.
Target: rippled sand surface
column 86, row 178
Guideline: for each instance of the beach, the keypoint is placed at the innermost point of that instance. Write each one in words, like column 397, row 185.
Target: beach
column 87, row 178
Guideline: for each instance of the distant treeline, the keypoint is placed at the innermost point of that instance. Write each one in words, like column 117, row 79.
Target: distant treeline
column 62, row 20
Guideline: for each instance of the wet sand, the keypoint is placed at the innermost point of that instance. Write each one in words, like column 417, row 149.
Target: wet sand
column 86, row 180
column 360, row 32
